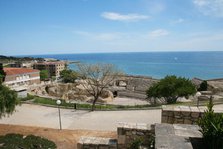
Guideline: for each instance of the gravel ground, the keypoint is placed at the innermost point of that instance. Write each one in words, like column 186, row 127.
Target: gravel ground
column 128, row 101
column 34, row 115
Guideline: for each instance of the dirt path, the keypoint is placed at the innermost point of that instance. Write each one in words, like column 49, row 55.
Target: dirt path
column 64, row 139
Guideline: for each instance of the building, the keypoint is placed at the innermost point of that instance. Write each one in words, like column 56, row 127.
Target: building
column 21, row 76
column 54, row 68
column 21, row 65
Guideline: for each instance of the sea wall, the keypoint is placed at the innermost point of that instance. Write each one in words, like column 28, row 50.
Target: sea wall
column 183, row 114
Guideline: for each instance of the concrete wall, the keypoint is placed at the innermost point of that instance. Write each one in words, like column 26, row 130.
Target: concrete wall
column 183, row 114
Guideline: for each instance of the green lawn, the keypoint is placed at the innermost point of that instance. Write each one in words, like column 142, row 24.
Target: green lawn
column 48, row 101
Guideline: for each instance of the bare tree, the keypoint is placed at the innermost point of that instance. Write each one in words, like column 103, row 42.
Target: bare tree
column 97, row 78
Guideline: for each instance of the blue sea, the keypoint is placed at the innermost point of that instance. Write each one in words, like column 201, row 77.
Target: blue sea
column 204, row 65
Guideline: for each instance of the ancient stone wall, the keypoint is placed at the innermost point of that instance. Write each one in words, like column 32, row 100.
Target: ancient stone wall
column 96, row 143
column 132, row 86
column 127, row 134
column 183, row 114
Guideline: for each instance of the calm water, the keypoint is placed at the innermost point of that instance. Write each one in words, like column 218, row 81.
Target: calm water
column 205, row 65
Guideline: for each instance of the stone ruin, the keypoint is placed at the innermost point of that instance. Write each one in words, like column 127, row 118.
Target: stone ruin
column 70, row 91
column 177, row 130
column 124, row 86
column 132, row 86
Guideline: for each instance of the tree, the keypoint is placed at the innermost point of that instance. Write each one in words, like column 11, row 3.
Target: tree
column 203, row 86
column 68, row 76
column 97, row 78
column 172, row 87
column 2, row 74
column 8, row 100
column 44, row 74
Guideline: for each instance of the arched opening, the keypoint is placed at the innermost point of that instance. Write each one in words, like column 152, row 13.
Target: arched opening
column 115, row 93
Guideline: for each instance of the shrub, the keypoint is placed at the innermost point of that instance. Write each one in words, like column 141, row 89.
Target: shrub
column 212, row 128
column 203, row 86
column 170, row 88
column 136, row 144
column 18, row 141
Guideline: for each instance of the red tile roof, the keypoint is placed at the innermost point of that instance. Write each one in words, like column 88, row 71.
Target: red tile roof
column 15, row 71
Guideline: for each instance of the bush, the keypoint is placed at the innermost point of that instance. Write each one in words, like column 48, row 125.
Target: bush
column 203, row 86
column 18, row 141
column 136, row 144
column 212, row 128
column 170, row 88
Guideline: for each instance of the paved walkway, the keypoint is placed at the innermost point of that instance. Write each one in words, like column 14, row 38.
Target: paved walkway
column 34, row 115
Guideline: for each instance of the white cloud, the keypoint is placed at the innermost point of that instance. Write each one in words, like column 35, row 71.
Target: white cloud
column 121, row 17
column 210, row 7
column 158, row 33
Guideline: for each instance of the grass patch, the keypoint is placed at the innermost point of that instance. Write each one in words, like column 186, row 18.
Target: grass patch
column 29, row 97
column 49, row 101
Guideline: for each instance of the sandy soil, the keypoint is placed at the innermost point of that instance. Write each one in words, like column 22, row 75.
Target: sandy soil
column 64, row 139
column 127, row 101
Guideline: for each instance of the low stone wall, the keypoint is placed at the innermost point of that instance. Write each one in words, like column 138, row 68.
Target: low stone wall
column 132, row 94
column 183, row 114
column 129, row 132
column 97, row 143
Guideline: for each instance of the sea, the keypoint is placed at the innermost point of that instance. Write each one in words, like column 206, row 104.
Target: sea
column 204, row 65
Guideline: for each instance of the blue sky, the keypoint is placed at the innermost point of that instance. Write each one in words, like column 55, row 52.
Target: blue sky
column 96, row 26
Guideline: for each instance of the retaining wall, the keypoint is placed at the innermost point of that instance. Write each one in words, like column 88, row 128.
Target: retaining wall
column 183, row 114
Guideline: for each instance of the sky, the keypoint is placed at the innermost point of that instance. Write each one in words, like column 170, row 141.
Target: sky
column 32, row 27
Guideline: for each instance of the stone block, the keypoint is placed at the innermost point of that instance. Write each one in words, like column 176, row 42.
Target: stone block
column 120, row 131
column 180, row 121
column 177, row 113
column 128, row 133
column 185, row 113
column 170, row 113
column 121, row 139
column 185, row 108
column 142, row 126
column 164, row 119
column 187, row 121
column 140, row 134
column 103, row 147
column 195, row 114
column 194, row 109
column 79, row 146
column 170, row 120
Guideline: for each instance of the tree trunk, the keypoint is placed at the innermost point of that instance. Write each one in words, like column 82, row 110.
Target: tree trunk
column 171, row 100
column 93, row 104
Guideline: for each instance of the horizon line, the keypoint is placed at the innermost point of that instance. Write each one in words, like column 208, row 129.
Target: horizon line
column 116, row 52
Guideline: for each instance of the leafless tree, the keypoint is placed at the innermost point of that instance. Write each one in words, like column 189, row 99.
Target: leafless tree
column 97, row 78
